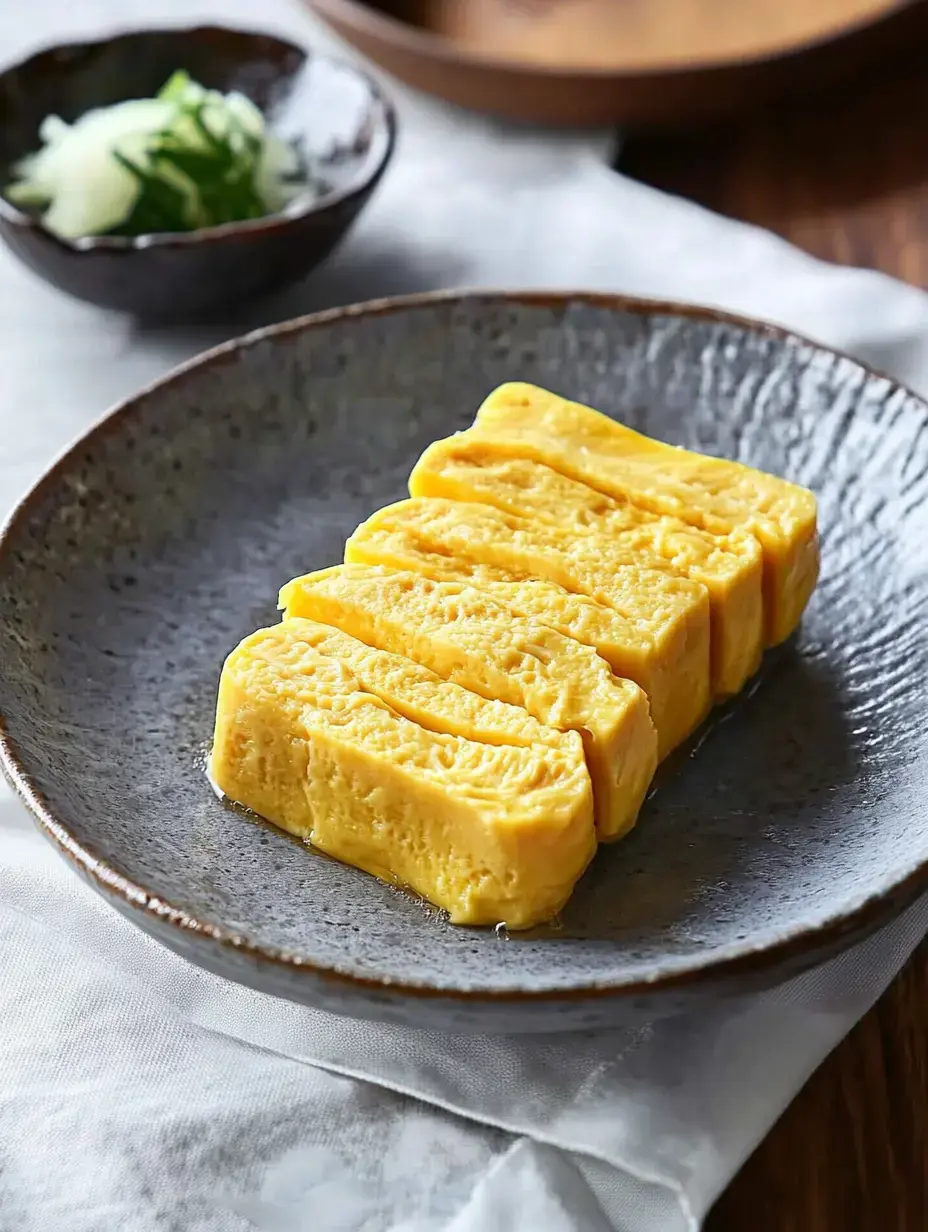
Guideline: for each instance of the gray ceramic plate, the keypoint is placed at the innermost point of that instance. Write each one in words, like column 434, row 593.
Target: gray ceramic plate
column 162, row 537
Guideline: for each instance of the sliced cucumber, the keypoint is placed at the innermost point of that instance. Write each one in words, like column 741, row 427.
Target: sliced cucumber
column 189, row 158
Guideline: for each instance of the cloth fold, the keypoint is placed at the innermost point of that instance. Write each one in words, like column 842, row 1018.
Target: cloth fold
column 141, row 1093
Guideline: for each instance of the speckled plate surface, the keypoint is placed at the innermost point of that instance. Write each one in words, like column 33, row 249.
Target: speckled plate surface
column 162, row 537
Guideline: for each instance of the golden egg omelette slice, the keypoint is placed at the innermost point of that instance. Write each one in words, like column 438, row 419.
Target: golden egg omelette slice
column 714, row 494
column 467, row 638
column 365, row 755
column 668, row 651
column 730, row 567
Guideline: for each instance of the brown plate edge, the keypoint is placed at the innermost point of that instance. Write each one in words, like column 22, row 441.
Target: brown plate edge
column 357, row 15
column 677, row 96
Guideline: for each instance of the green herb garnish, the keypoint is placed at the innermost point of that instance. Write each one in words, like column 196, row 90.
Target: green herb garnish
column 187, row 159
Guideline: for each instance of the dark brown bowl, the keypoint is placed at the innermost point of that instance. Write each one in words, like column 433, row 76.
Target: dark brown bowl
column 344, row 120
column 591, row 62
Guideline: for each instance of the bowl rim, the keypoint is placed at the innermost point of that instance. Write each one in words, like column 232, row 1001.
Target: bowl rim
column 797, row 948
column 361, row 17
column 366, row 179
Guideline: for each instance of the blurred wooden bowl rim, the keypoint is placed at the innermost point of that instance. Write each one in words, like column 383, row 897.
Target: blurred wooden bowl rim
column 663, row 63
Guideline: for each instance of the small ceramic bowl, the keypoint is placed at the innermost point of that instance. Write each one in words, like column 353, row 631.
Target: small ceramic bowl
column 601, row 62
column 345, row 125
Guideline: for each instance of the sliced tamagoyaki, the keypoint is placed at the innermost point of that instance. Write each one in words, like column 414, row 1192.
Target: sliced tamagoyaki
column 668, row 619
column 465, row 637
column 619, row 640
column 730, row 567
column 367, row 756
column 714, row 494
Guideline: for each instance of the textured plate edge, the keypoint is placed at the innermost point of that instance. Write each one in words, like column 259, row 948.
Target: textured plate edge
column 794, row 952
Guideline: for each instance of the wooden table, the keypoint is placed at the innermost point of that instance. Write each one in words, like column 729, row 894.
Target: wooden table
column 846, row 177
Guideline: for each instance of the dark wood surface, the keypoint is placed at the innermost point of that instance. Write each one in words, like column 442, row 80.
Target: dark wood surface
column 845, row 176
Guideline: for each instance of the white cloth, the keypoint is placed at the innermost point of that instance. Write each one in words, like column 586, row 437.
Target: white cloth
column 139, row 1093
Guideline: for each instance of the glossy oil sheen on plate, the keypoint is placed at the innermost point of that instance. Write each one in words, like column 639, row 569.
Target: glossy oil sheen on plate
column 161, row 540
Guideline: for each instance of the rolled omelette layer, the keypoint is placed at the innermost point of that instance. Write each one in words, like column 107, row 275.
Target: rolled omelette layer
column 714, row 494
column 315, row 732
column 729, row 566
column 466, row 637
column 668, row 650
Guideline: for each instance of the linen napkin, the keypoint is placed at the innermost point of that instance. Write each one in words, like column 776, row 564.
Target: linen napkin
column 139, row 1093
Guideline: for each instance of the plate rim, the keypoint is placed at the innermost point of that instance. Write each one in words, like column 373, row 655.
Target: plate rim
column 361, row 17
column 797, row 948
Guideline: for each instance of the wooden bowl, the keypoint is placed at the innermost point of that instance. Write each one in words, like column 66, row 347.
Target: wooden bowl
column 651, row 62
column 347, row 125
